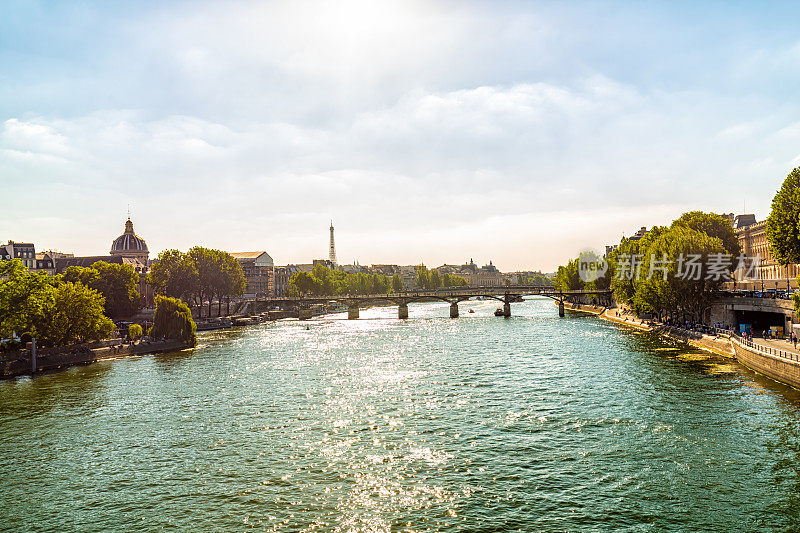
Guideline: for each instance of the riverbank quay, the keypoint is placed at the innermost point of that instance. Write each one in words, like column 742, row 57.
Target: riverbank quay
column 777, row 362
column 776, row 359
column 718, row 345
column 19, row 363
column 243, row 320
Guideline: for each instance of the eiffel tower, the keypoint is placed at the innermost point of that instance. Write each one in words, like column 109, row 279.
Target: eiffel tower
column 332, row 251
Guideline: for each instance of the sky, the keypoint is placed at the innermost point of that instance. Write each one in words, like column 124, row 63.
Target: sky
column 435, row 132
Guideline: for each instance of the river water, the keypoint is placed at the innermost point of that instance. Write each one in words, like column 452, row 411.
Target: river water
column 532, row 423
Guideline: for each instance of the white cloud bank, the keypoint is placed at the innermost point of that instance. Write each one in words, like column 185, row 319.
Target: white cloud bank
column 260, row 132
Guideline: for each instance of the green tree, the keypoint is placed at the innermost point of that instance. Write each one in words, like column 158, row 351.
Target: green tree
column 380, row 284
column 232, row 282
column 324, row 278
column 75, row 313
column 626, row 264
column 173, row 320
column 206, row 264
column 134, row 331
column 435, row 280
column 46, row 307
column 783, row 223
column 674, row 287
column 453, row 280
column 174, row 274
column 117, row 283
column 305, row 283
column 713, row 225
column 423, row 277
column 567, row 277
column 25, row 300
column 351, row 284
column 397, row 283
column 323, row 281
column 364, row 284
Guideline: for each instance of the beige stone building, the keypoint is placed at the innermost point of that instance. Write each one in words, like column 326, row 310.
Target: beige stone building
column 281, row 277
column 258, row 269
column 753, row 242
column 127, row 249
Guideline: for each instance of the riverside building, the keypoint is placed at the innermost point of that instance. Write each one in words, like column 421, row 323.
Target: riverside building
column 26, row 252
column 127, row 249
column 258, row 269
column 753, row 241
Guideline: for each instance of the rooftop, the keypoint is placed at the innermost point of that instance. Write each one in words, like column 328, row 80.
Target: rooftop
column 248, row 255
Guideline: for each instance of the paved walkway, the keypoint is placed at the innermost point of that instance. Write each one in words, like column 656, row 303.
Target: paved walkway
column 778, row 345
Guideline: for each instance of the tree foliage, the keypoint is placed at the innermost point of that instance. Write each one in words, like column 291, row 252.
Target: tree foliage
column 452, row 280
column 306, row 284
column 670, row 290
column 117, row 283
column 200, row 275
column 323, row 281
column 173, row 320
column 435, row 280
column 432, row 279
column 76, row 313
column 423, row 277
column 634, row 250
column 23, row 299
column 654, row 275
column 54, row 311
column 567, row 277
column 173, row 274
column 713, row 225
column 397, row 283
column 134, row 331
column 537, row 279
column 783, row 223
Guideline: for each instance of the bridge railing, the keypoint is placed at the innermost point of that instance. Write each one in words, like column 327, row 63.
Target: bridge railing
column 493, row 290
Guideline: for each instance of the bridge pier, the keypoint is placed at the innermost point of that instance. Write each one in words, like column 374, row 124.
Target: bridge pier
column 352, row 312
column 402, row 311
column 304, row 314
column 561, row 312
column 454, row 310
column 506, row 310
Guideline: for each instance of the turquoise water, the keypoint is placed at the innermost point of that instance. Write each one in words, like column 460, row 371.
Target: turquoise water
column 533, row 423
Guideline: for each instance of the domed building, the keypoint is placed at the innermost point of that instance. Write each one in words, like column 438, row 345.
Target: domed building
column 130, row 245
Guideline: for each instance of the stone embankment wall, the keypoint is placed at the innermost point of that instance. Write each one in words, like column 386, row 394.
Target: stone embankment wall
column 19, row 363
column 784, row 368
column 716, row 344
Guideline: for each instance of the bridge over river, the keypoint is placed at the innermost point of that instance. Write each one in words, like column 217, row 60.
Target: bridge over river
column 452, row 295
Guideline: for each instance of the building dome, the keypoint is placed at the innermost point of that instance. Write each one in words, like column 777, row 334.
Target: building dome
column 129, row 244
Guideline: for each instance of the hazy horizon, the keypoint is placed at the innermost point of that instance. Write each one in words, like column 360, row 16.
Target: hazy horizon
column 429, row 132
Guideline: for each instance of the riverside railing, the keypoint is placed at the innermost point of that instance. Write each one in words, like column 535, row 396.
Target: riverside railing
column 791, row 356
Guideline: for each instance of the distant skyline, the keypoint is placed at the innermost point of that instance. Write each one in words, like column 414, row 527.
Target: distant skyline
column 517, row 132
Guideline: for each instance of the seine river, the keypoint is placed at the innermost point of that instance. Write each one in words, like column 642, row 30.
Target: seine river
column 532, row 423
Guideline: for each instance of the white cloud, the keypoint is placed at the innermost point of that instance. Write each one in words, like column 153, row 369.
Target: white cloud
column 447, row 174
column 426, row 130
column 33, row 137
